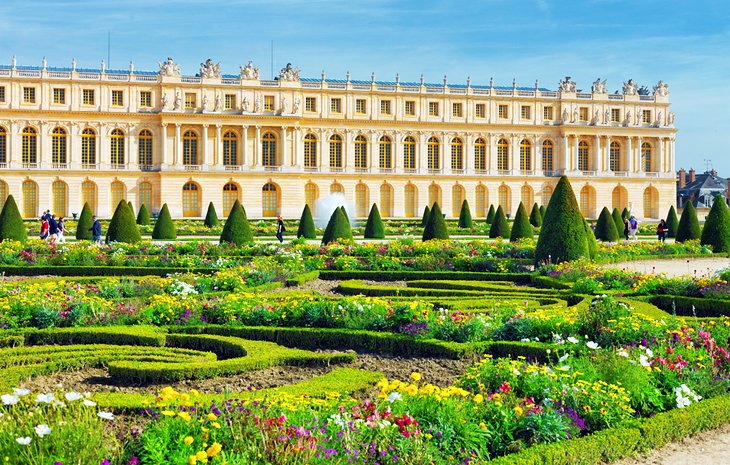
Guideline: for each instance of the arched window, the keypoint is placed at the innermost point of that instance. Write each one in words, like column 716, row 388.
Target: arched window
column 361, row 152
column 58, row 147
column 191, row 200
column 269, row 200
column 3, row 148
column 547, row 156
column 482, row 198
column 385, row 150
column 480, row 155
column 29, row 149
column 620, row 198
column 457, row 154
column 458, row 194
column 144, row 149
column 651, row 202
column 361, row 200
column 60, row 197
column 310, row 151
column 88, row 147
column 646, row 158
column 434, row 153
column 336, row 188
column 502, row 155
column 30, row 199
column 505, row 198
column 526, row 196
column 117, row 148
column 230, row 149
column 410, row 200
column 3, row 193
column 583, row 160
column 525, row 155
column 88, row 195
column 386, row 200
column 118, row 193
column 231, row 193
column 614, row 160
column 311, row 194
column 588, row 202
column 336, row 151
column 190, row 148
column 409, row 153
column 434, row 195
column 144, row 195
column 547, row 192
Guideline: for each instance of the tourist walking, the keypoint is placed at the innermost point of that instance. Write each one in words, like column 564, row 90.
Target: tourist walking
column 61, row 229
column 52, row 229
column 661, row 231
column 44, row 227
column 634, row 226
column 626, row 229
column 95, row 230
column 280, row 229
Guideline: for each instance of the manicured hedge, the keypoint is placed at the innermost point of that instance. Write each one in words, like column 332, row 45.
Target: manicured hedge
column 13, row 270
column 548, row 281
column 520, row 278
column 682, row 306
column 115, row 335
column 302, row 278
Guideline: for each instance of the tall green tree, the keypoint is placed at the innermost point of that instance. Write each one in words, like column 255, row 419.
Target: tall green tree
column 237, row 230
column 625, row 213
column 535, row 216
column 606, row 227
column 436, row 226
column 143, row 216
column 211, row 218
column 563, row 234
column 672, row 222
column 465, row 216
column 164, row 226
column 123, row 225
column 689, row 226
column 83, row 227
column 521, row 227
column 424, row 218
column 716, row 232
column 490, row 214
column 618, row 221
column 11, row 223
column 338, row 227
column 374, row 228
column 306, row 224
column 543, row 209
column 500, row 226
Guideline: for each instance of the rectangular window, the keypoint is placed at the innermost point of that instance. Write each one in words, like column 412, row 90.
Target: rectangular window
column 28, row 94
column 457, row 110
column 145, row 99
column 410, row 108
column 336, row 105
column 87, row 96
column 360, row 106
column 615, row 115
column 190, row 101
column 117, row 98
column 525, row 112
column 269, row 103
column 433, row 108
column 59, row 96
column 310, row 104
column 583, row 113
column 385, row 107
column 503, row 111
column 481, row 110
column 646, row 116
column 2, row 94
column 230, row 102
column 547, row 113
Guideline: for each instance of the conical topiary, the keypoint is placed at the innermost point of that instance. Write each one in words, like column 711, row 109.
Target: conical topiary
column 590, row 240
column 424, row 218
column 689, row 227
column 237, row 230
column 306, row 224
column 338, row 227
column 625, row 213
column 211, row 218
column 131, row 208
column 436, row 226
column 143, row 216
column 563, row 233
column 83, row 227
column 606, row 227
column 521, row 227
column 11, row 223
column 490, row 214
column 716, row 232
column 374, row 228
column 672, row 222
column 535, row 216
column 543, row 209
column 164, row 226
column 500, row 226
column 464, row 216
column 123, row 225
column 618, row 221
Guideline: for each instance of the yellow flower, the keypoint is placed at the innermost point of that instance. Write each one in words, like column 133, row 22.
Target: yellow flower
column 518, row 411
column 482, row 425
column 188, row 440
column 478, row 398
column 168, row 413
column 212, row 417
column 184, row 415
column 215, row 424
column 214, row 450
column 192, row 460
column 201, row 455
column 415, row 376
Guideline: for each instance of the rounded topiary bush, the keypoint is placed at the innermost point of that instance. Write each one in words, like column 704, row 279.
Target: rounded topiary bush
column 606, row 227
column 211, row 218
column 689, row 227
column 521, row 227
column 424, row 218
column 543, row 209
column 535, row 216
column 123, row 225
column 306, row 224
column 490, row 214
column 83, row 227
column 11, row 223
column 143, row 216
column 374, row 228
column 237, row 230
column 164, row 226
column 563, row 233
column 436, row 226
column 465, row 216
column 625, row 213
column 672, row 222
column 618, row 221
column 500, row 226
column 716, row 232
column 338, row 227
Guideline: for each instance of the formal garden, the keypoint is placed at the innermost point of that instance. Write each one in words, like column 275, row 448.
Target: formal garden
column 503, row 341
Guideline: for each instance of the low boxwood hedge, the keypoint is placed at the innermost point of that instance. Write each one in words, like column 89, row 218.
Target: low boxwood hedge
column 13, row 270
column 692, row 306
column 404, row 275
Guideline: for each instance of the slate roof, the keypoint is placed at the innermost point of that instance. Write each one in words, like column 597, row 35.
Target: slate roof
column 704, row 188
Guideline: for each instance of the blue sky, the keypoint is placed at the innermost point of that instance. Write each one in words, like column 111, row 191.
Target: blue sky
column 686, row 44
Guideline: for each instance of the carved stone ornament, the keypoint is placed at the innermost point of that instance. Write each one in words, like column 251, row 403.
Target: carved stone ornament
column 566, row 85
column 249, row 72
column 244, row 104
column 163, row 101
column 289, row 73
column 599, row 87
column 169, row 68
column 295, row 107
column 670, row 118
column 218, row 103
column 630, row 87
column 661, row 89
column 257, row 104
column 208, row 69
column 177, row 105
column 566, row 116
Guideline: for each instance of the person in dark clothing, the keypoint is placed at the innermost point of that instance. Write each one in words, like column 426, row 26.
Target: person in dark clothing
column 626, row 229
column 661, row 231
column 95, row 230
column 280, row 229
column 52, row 229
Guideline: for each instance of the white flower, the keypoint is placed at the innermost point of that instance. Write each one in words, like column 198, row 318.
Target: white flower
column 72, row 396
column 42, row 430
column 563, row 358
column 592, row 345
column 622, row 353
column 9, row 399
column 573, row 340
column 649, row 353
column 44, row 398
column 525, row 339
column 643, row 360
column 89, row 403
column 21, row 392
column 565, row 367
column 23, row 441
column 393, row 396
column 105, row 415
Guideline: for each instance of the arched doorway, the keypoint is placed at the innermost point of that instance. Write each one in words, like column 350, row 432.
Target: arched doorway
column 651, row 202
column 269, row 200
column 231, row 193
column 192, row 198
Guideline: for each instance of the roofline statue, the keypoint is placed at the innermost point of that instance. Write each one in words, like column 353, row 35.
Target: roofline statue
column 169, row 68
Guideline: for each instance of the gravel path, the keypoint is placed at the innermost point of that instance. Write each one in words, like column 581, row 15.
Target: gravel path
column 675, row 267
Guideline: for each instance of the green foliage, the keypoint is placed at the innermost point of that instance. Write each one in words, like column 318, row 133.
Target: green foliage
column 500, row 226
column 689, row 227
column 237, row 230
column 465, row 216
column 563, row 233
column 436, row 226
column 543, row 209
column 306, row 224
column 716, row 231
column 11, row 223
column 83, row 227
column 374, row 228
column 131, row 208
column 490, row 214
column 672, row 222
column 211, row 218
column 618, row 221
column 521, row 227
column 625, row 213
column 338, row 227
column 123, row 225
column 590, row 240
column 164, row 226
column 143, row 216
column 535, row 216
column 424, row 218
column 606, row 227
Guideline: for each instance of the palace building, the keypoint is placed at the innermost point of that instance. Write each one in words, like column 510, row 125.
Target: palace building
column 72, row 135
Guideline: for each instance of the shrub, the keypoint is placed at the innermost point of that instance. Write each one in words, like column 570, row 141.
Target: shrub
column 164, row 226
column 490, row 214
column 338, row 227
column 535, row 216
column 83, row 227
column 211, row 218
column 11, row 223
column 424, row 218
column 123, row 225
column 563, row 233
column 436, row 226
column 464, row 216
column 306, row 224
column 716, row 231
column 237, row 230
column 618, row 221
column 543, row 209
column 374, row 228
column 143, row 217
column 606, row 227
column 500, row 226
column 521, row 227
column 672, row 222
column 131, row 208
column 625, row 213
column 689, row 227
column 590, row 240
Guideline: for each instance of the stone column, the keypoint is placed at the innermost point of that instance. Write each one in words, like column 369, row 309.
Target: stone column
column 177, row 156
column 660, row 157
column 491, row 154
column 422, row 154
column 576, row 165
column 244, row 147
column 348, row 157
column 597, row 155
column 296, row 147
column 163, row 143
column 641, row 167
column 128, row 148
column 607, row 155
column 73, row 161
column 217, row 162
column 537, row 156
column 514, row 147
column 374, row 152
column 566, row 157
column 204, row 162
column 41, row 148
column 397, row 160
column 630, row 156
column 14, row 145
column 323, row 159
column 256, row 148
column 468, row 153
column 283, row 146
